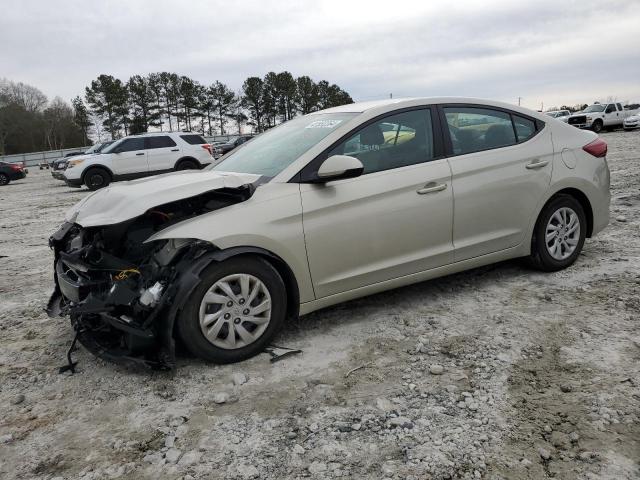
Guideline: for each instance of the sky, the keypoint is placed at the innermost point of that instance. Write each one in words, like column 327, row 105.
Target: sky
column 547, row 52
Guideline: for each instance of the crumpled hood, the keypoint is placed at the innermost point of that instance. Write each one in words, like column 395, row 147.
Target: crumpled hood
column 125, row 200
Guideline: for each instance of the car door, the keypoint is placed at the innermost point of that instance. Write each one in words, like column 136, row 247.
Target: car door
column 611, row 115
column 501, row 165
column 162, row 153
column 393, row 220
column 130, row 158
column 621, row 114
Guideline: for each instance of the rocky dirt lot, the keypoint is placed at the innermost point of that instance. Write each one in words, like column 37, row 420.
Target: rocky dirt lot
column 500, row 372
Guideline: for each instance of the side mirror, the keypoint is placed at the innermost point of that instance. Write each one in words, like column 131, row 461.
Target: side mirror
column 338, row 167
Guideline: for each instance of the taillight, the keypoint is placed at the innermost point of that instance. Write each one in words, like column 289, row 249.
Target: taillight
column 207, row 147
column 15, row 167
column 597, row 148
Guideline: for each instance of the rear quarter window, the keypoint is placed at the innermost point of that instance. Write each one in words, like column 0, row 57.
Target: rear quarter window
column 193, row 139
column 525, row 128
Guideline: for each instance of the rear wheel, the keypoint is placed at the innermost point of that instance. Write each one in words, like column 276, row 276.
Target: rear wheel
column 96, row 178
column 235, row 311
column 597, row 126
column 4, row 179
column 559, row 234
column 187, row 165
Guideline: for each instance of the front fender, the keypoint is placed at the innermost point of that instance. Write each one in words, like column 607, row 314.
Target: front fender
column 271, row 220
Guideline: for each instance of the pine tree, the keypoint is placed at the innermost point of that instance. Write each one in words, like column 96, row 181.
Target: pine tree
column 108, row 98
column 81, row 118
column 252, row 100
column 224, row 101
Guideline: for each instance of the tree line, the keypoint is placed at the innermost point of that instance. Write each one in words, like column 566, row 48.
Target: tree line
column 168, row 101
column 29, row 122
column 112, row 108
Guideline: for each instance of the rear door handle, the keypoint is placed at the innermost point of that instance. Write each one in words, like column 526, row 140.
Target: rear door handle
column 431, row 188
column 141, row 153
column 175, row 149
column 537, row 164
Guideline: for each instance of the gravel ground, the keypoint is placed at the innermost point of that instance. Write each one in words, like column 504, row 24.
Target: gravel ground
column 499, row 372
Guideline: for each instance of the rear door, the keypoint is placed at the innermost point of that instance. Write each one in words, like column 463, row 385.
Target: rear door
column 131, row 159
column 392, row 221
column 162, row 153
column 501, row 166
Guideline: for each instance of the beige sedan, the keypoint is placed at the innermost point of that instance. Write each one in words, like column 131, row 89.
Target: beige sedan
column 347, row 202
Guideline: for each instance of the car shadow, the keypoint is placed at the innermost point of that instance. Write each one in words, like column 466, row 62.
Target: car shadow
column 397, row 299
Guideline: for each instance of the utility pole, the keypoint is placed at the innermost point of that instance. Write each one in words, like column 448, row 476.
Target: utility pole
column 519, row 98
column 391, row 95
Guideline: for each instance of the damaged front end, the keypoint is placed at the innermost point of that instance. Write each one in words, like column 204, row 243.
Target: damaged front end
column 123, row 295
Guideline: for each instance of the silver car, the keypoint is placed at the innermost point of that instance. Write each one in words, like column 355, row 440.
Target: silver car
column 631, row 122
column 325, row 208
column 559, row 114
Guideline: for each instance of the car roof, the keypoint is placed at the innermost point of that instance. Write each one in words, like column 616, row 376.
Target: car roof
column 154, row 134
column 389, row 104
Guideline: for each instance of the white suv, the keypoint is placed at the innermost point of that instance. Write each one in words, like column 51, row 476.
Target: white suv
column 138, row 156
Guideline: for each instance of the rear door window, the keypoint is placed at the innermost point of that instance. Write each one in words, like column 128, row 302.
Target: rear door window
column 475, row 129
column 160, row 142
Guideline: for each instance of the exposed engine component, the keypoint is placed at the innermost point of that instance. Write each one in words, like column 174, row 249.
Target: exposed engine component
column 122, row 294
column 151, row 296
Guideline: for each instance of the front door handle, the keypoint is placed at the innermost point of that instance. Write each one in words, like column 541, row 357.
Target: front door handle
column 431, row 188
column 175, row 149
column 537, row 164
column 141, row 153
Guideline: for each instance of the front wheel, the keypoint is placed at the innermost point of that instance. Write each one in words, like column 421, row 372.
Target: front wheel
column 235, row 311
column 96, row 178
column 559, row 234
column 597, row 126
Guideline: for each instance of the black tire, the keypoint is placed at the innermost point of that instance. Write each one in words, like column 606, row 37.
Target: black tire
column 187, row 165
column 188, row 323
column 96, row 178
column 540, row 257
column 597, row 126
column 4, row 179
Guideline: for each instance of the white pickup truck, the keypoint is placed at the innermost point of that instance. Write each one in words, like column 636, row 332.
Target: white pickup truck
column 599, row 116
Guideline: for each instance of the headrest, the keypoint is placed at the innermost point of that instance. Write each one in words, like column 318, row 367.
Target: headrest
column 371, row 135
column 498, row 135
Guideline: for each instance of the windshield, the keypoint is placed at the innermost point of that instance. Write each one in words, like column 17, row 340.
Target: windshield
column 103, row 146
column 113, row 145
column 274, row 150
column 594, row 108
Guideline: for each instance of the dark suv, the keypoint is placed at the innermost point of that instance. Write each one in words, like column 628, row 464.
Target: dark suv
column 225, row 148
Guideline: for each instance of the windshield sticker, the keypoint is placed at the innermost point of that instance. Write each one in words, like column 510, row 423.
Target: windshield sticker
column 323, row 124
